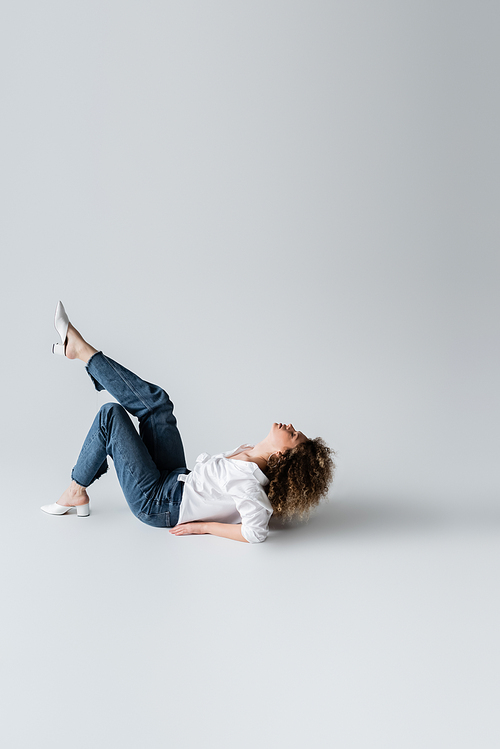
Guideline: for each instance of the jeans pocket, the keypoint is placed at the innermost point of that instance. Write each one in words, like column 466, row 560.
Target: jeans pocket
column 158, row 520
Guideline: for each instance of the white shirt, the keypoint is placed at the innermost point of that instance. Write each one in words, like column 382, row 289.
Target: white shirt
column 227, row 491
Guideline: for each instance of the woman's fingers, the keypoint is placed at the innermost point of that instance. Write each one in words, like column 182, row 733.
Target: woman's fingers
column 181, row 530
column 186, row 529
column 177, row 530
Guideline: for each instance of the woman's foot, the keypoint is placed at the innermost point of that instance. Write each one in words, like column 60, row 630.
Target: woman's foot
column 77, row 347
column 75, row 494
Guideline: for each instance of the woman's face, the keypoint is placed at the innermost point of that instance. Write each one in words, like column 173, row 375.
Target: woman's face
column 285, row 436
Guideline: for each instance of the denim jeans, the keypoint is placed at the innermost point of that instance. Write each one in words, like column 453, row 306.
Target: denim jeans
column 148, row 463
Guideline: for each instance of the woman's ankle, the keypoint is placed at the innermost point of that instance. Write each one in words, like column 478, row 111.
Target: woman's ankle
column 73, row 496
column 77, row 347
column 76, row 490
column 86, row 353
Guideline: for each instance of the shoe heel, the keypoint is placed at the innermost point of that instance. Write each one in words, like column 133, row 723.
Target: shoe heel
column 59, row 348
column 83, row 511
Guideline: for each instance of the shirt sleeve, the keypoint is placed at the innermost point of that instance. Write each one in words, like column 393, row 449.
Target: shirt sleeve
column 255, row 510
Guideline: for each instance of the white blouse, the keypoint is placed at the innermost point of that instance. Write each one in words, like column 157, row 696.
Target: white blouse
column 227, row 491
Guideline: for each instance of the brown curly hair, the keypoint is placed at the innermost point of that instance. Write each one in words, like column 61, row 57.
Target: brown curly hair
column 299, row 478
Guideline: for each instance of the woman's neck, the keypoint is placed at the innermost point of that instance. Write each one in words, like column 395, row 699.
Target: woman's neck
column 260, row 453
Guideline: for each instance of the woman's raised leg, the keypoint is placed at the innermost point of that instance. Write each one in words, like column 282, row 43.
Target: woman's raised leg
column 148, row 402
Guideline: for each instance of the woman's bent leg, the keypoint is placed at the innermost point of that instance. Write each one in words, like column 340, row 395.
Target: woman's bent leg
column 149, row 403
column 113, row 433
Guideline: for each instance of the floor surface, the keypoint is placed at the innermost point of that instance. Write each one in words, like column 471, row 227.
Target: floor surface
column 374, row 625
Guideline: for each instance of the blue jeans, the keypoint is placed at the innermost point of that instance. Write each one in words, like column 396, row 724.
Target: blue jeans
column 148, row 463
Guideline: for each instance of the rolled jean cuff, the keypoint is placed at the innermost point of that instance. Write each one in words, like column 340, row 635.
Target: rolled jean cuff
column 80, row 483
column 102, row 470
column 97, row 385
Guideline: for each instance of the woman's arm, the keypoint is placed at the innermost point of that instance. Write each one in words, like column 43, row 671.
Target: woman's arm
column 226, row 530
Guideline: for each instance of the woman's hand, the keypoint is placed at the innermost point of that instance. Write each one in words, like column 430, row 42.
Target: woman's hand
column 189, row 529
column 226, row 530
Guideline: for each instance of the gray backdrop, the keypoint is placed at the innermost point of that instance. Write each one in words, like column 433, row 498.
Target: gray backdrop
column 279, row 211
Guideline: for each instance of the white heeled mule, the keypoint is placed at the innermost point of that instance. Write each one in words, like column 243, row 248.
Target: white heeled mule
column 83, row 511
column 61, row 323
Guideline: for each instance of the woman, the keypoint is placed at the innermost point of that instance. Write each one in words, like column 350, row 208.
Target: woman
column 232, row 494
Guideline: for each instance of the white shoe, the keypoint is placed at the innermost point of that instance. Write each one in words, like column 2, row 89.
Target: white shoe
column 61, row 323
column 82, row 511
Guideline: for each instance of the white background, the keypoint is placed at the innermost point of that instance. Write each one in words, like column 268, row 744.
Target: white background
column 279, row 211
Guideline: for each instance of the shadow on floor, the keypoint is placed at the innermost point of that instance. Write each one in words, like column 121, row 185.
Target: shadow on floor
column 378, row 516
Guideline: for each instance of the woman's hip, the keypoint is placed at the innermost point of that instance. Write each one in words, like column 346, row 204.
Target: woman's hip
column 163, row 510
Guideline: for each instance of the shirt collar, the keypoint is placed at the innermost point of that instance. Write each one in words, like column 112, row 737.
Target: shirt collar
column 248, row 466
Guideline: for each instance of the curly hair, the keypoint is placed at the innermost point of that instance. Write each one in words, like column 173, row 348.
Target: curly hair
column 299, row 478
